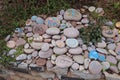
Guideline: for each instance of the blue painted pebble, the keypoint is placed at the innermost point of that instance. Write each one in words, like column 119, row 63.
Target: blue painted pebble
column 33, row 18
column 72, row 43
column 93, row 54
column 39, row 20
column 101, row 58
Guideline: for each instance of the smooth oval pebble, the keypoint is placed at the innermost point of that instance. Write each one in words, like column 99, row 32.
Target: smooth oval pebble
column 111, row 46
column 11, row 44
column 39, row 20
column 102, row 50
column 79, row 59
column 33, row 18
column 45, row 47
column 63, row 61
column 56, row 37
column 45, row 54
column 71, row 32
column 111, row 59
column 72, row 14
column 21, row 57
column 77, row 50
column 35, row 54
column 72, row 43
column 106, row 65
column 28, row 51
column 36, row 45
column 53, row 31
column 91, row 8
column 95, row 67
column 60, row 43
column 59, row 51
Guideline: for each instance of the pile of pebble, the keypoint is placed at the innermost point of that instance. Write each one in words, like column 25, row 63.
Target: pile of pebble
column 55, row 41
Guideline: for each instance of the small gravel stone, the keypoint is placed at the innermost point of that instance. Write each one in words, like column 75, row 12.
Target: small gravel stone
column 56, row 37
column 53, row 57
column 84, row 47
column 53, row 31
column 91, row 8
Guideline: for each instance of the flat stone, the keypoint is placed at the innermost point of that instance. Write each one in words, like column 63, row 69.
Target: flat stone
column 28, row 51
column 11, row 44
column 52, row 22
column 79, row 59
column 93, row 54
column 95, row 67
column 72, row 43
column 11, row 52
column 101, row 44
column 45, row 54
column 59, row 51
column 101, row 57
column 45, row 47
column 112, row 52
column 111, row 46
column 60, row 43
column 53, row 31
column 39, row 29
column 71, row 32
column 46, row 36
column 111, row 59
column 72, row 14
column 114, row 69
column 85, row 75
column 35, row 54
column 86, row 63
column 56, row 37
column 102, row 50
column 40, row 62
column 63, row 61
column 21, row 57
column 75, row 66
column 76, row 50
column 105, row 65
column 20, row 42
column 23, row 65
column 36, row 45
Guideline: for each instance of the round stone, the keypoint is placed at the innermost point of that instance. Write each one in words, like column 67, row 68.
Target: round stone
column 53, row 31
column 52, row 22
column 111, row 59
column 39, row 20
column 72, row 43
column 40, row 62
column 79, row 59
column 11, row 44
column 33, row 18
column 39, row 29
column 59, row 51
column 111, row 46
column 91, row 8
column 75, row 66
column 105, row 65
column 71, row 32
column 36, row 45
column 63, row 61
column 21, row 57
column 35, row 54
column 60, row 43
column 77, row 50
column 85, row 20
column 26, row 46
column 72, row 14
column 117, row 24
column 93, row 54
column 45, row 54
column 95, row 67
column 45, row 47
